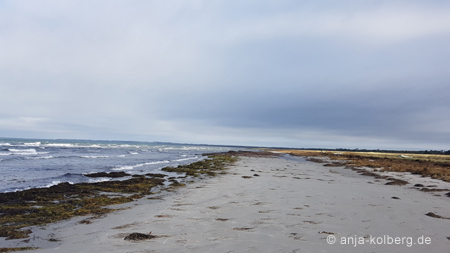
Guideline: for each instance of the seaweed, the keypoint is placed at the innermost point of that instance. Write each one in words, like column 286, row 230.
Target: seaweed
column 108, row 174
column 45, row 205
column 17, row 249
column 431, row 214
column 207, row 166
column 139, row 236
column 396, row 182
column 156, row 175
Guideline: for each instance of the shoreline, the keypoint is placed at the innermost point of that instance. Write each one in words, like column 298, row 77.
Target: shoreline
column 263, row 205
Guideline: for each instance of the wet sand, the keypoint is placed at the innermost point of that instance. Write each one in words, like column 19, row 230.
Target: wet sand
column 268, row 205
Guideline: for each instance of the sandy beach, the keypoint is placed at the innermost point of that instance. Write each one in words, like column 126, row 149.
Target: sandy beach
column 283, row 204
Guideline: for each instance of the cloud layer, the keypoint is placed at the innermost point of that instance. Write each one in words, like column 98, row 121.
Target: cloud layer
column 370, row 74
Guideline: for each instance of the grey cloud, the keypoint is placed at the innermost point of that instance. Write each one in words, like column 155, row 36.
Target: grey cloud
column 273, row 73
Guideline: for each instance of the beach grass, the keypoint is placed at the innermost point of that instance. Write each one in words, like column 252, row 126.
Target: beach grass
column 434, row 166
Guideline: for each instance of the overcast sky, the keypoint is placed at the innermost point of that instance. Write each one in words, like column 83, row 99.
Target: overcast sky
column 352, row 74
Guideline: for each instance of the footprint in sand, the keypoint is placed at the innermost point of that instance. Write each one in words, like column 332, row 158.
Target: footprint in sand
column 295, row 236
column 242, row 229
column 164, row 216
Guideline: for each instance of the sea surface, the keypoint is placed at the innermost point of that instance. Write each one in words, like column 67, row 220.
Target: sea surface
column 26, row 164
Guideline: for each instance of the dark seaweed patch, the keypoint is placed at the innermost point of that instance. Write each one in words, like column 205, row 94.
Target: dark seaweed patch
column 431, row 214
column 207, row 166
column 397, row 182
column 155, row 175
column 139, row 236
column 109, row 174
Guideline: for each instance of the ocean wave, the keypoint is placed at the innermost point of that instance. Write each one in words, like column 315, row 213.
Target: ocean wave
column 32, row 144
column 130, row 167
column 41, row 157
column 185, row 159
column 55, row 183
column 5, row 144
column 133, row 153
column 30, row 151
column 22, row 150
column 58, row 145
column 17, row 189
column 98, row 180
column 94, row 156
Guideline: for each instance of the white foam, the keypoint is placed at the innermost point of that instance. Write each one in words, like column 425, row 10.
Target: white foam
column 19, row 189
column 55, row 183
column 158, row 162
column 133, row 153
column 99, row 179
column 59, row 145
column 130, row 167
column 93, row 156
column 124, row 168
column 185, row 159
column 33, row 144
column 30, row 151
column 41, row 157
column 5, row 144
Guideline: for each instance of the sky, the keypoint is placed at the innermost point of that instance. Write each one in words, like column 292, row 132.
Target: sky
column 285, row 73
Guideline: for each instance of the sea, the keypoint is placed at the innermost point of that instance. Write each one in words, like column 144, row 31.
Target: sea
column 32, row 163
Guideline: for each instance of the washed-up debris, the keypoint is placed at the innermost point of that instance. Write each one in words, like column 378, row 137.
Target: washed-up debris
column 139, row 236
column 431, row 214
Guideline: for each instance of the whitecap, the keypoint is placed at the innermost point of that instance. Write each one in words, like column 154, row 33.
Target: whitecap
column 157, row 162
column 30, row 151
column 185, row 159
column 59, row 145
column 93, row 156
column 130, row 167
column 41, row 157
column 38, row 143
column 125, row 168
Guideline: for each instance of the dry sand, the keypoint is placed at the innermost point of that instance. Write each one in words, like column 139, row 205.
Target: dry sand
column 292, row 206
